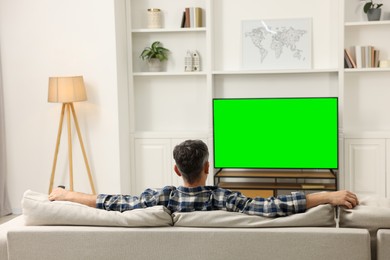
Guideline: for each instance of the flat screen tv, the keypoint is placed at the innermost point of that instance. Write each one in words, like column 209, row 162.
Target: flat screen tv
column 276, row 133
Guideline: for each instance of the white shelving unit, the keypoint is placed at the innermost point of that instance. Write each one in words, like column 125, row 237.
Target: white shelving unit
column 171, row 106
column 173, row 30
column 366, row 95
column 246, row 72
column 366, row 23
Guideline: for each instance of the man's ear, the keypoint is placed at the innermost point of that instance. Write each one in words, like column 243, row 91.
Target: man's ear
column 206, row 167
column 177, row 170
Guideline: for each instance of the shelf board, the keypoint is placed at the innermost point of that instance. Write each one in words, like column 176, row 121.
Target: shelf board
column 292, row 71
column 367, row 70
column 235, row 72
column 152, row 74
column 169, row 30
column 270, row 174
column 363, row 134
column 367, row 23
column 173, row 134
column 278, row 186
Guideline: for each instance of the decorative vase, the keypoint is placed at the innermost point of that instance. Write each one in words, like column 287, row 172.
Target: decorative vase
column 374, row 14
column 154, row 18
column 155, row 65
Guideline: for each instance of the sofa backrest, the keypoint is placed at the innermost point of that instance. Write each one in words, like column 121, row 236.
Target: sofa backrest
column 96, row 243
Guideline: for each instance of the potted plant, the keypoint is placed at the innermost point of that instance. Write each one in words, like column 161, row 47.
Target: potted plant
column 155, row 55
column 372, row 10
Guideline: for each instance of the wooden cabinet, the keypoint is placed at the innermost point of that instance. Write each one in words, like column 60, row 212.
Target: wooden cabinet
column 154, row 163
column 365, row 168
column 269, row 183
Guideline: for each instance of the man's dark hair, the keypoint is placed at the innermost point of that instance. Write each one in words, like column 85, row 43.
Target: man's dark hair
column 190, row 157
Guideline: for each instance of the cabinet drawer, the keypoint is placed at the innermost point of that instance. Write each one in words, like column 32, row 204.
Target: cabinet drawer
column 257, row 193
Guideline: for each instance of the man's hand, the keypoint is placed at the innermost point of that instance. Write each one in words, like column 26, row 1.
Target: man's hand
column 58, row 194
column 336, row 198
column 343, row 198
column 73, row 196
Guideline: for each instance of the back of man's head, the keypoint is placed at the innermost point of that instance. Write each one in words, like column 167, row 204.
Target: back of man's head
column 190, row 157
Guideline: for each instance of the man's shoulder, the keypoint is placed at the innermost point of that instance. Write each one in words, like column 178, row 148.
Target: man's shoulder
column 164, row 189
column 197, row 188
column 167, row 188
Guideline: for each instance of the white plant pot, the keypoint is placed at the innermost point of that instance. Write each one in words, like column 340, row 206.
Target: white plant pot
column 155, row 65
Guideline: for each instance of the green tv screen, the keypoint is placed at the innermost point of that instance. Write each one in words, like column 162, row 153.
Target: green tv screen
column 279, row 133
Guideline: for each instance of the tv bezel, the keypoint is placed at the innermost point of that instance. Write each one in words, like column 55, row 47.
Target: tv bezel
column 282, row 168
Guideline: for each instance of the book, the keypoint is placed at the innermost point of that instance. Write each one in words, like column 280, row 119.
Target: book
column 312, row 186
column 358, row 56
column 347, row 61
column 192, row 17
column 187, row 19
column 367, row 56
column 183, row 20
column 345, row 64
column 198, row 17
column 376, row 58
column 350, row 58
column 363, row 56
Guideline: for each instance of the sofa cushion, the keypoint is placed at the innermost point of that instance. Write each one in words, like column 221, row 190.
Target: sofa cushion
column 320, row 216
column 372, row 213
column 383, row 244
column 39, row 210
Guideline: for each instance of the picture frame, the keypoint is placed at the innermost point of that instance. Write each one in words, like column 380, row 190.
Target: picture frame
column 277, row 44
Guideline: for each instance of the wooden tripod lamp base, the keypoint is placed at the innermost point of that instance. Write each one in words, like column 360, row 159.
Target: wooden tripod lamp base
column 68, row 90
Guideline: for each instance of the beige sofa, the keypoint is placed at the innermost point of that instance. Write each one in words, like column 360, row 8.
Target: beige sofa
column 49, row 230
column 90, row 242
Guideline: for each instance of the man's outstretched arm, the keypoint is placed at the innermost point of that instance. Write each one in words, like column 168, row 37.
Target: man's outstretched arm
column 65, row 195
column 336, row 198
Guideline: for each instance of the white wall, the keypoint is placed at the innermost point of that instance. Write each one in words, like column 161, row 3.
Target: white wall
column 44, row 38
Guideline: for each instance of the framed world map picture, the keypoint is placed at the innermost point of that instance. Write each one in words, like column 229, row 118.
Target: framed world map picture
column 276, row 44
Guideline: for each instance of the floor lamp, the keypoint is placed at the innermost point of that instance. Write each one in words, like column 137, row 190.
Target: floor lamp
column 67, row 90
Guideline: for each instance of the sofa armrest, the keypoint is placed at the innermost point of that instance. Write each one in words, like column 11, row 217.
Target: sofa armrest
column 4, row 228
column 383, row 244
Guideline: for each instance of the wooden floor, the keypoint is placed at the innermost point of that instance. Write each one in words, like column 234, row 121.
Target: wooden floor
column 6, row 218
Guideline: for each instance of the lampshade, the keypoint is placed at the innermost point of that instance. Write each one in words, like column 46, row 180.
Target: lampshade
column 66, row 89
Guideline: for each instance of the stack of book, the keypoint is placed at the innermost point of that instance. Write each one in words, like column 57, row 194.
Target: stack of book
column 192, row 17
column 361, row 57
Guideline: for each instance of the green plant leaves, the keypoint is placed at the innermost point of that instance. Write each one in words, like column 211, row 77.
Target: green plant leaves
column 155, row 51
column 370, row 5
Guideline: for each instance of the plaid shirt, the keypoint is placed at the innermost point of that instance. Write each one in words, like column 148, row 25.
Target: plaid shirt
column 184, row 199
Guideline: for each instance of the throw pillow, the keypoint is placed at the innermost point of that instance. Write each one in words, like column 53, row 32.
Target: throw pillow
column 320, row 216
column 39, row 210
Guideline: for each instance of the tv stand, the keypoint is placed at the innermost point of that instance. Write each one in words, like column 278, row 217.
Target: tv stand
column 269, row 182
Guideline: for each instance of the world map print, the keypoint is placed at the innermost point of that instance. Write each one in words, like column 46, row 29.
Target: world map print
column 277, row 44
column 281, row 38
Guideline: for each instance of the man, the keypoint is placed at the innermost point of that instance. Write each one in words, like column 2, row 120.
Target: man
column 192, row 165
